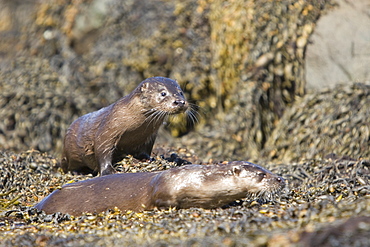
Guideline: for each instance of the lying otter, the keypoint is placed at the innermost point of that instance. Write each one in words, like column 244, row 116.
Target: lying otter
column 205, row 186
column 129, row 126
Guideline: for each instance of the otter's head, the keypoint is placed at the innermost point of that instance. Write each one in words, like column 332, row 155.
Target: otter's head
column 256, row 180
column 160, row 94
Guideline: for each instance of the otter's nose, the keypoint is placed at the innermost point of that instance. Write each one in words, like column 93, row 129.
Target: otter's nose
column 281, row 181
column 180, row 103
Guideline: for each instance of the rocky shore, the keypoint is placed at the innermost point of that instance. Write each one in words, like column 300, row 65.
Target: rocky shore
column 321, row 196
column 242, row 62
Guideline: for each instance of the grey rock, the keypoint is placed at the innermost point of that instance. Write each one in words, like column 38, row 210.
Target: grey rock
column 340, row 46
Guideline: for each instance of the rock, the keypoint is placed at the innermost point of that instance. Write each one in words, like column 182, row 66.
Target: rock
column 340, row 46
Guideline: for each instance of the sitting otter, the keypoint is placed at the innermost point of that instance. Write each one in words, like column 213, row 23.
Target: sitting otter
column 98, row 139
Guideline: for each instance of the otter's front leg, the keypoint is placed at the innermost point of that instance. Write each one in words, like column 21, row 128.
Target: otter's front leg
column 106, row 168
column 104, row 157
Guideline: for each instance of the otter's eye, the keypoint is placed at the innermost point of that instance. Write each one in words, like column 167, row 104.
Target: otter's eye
column 163, row 94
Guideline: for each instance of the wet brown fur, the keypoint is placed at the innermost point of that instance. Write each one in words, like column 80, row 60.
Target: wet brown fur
column 97, row 140
column 205, row 186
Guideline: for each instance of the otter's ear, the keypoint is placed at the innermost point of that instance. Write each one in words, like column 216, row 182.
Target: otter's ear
column 236, row 170
column 144, row 87
column 241, row 171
